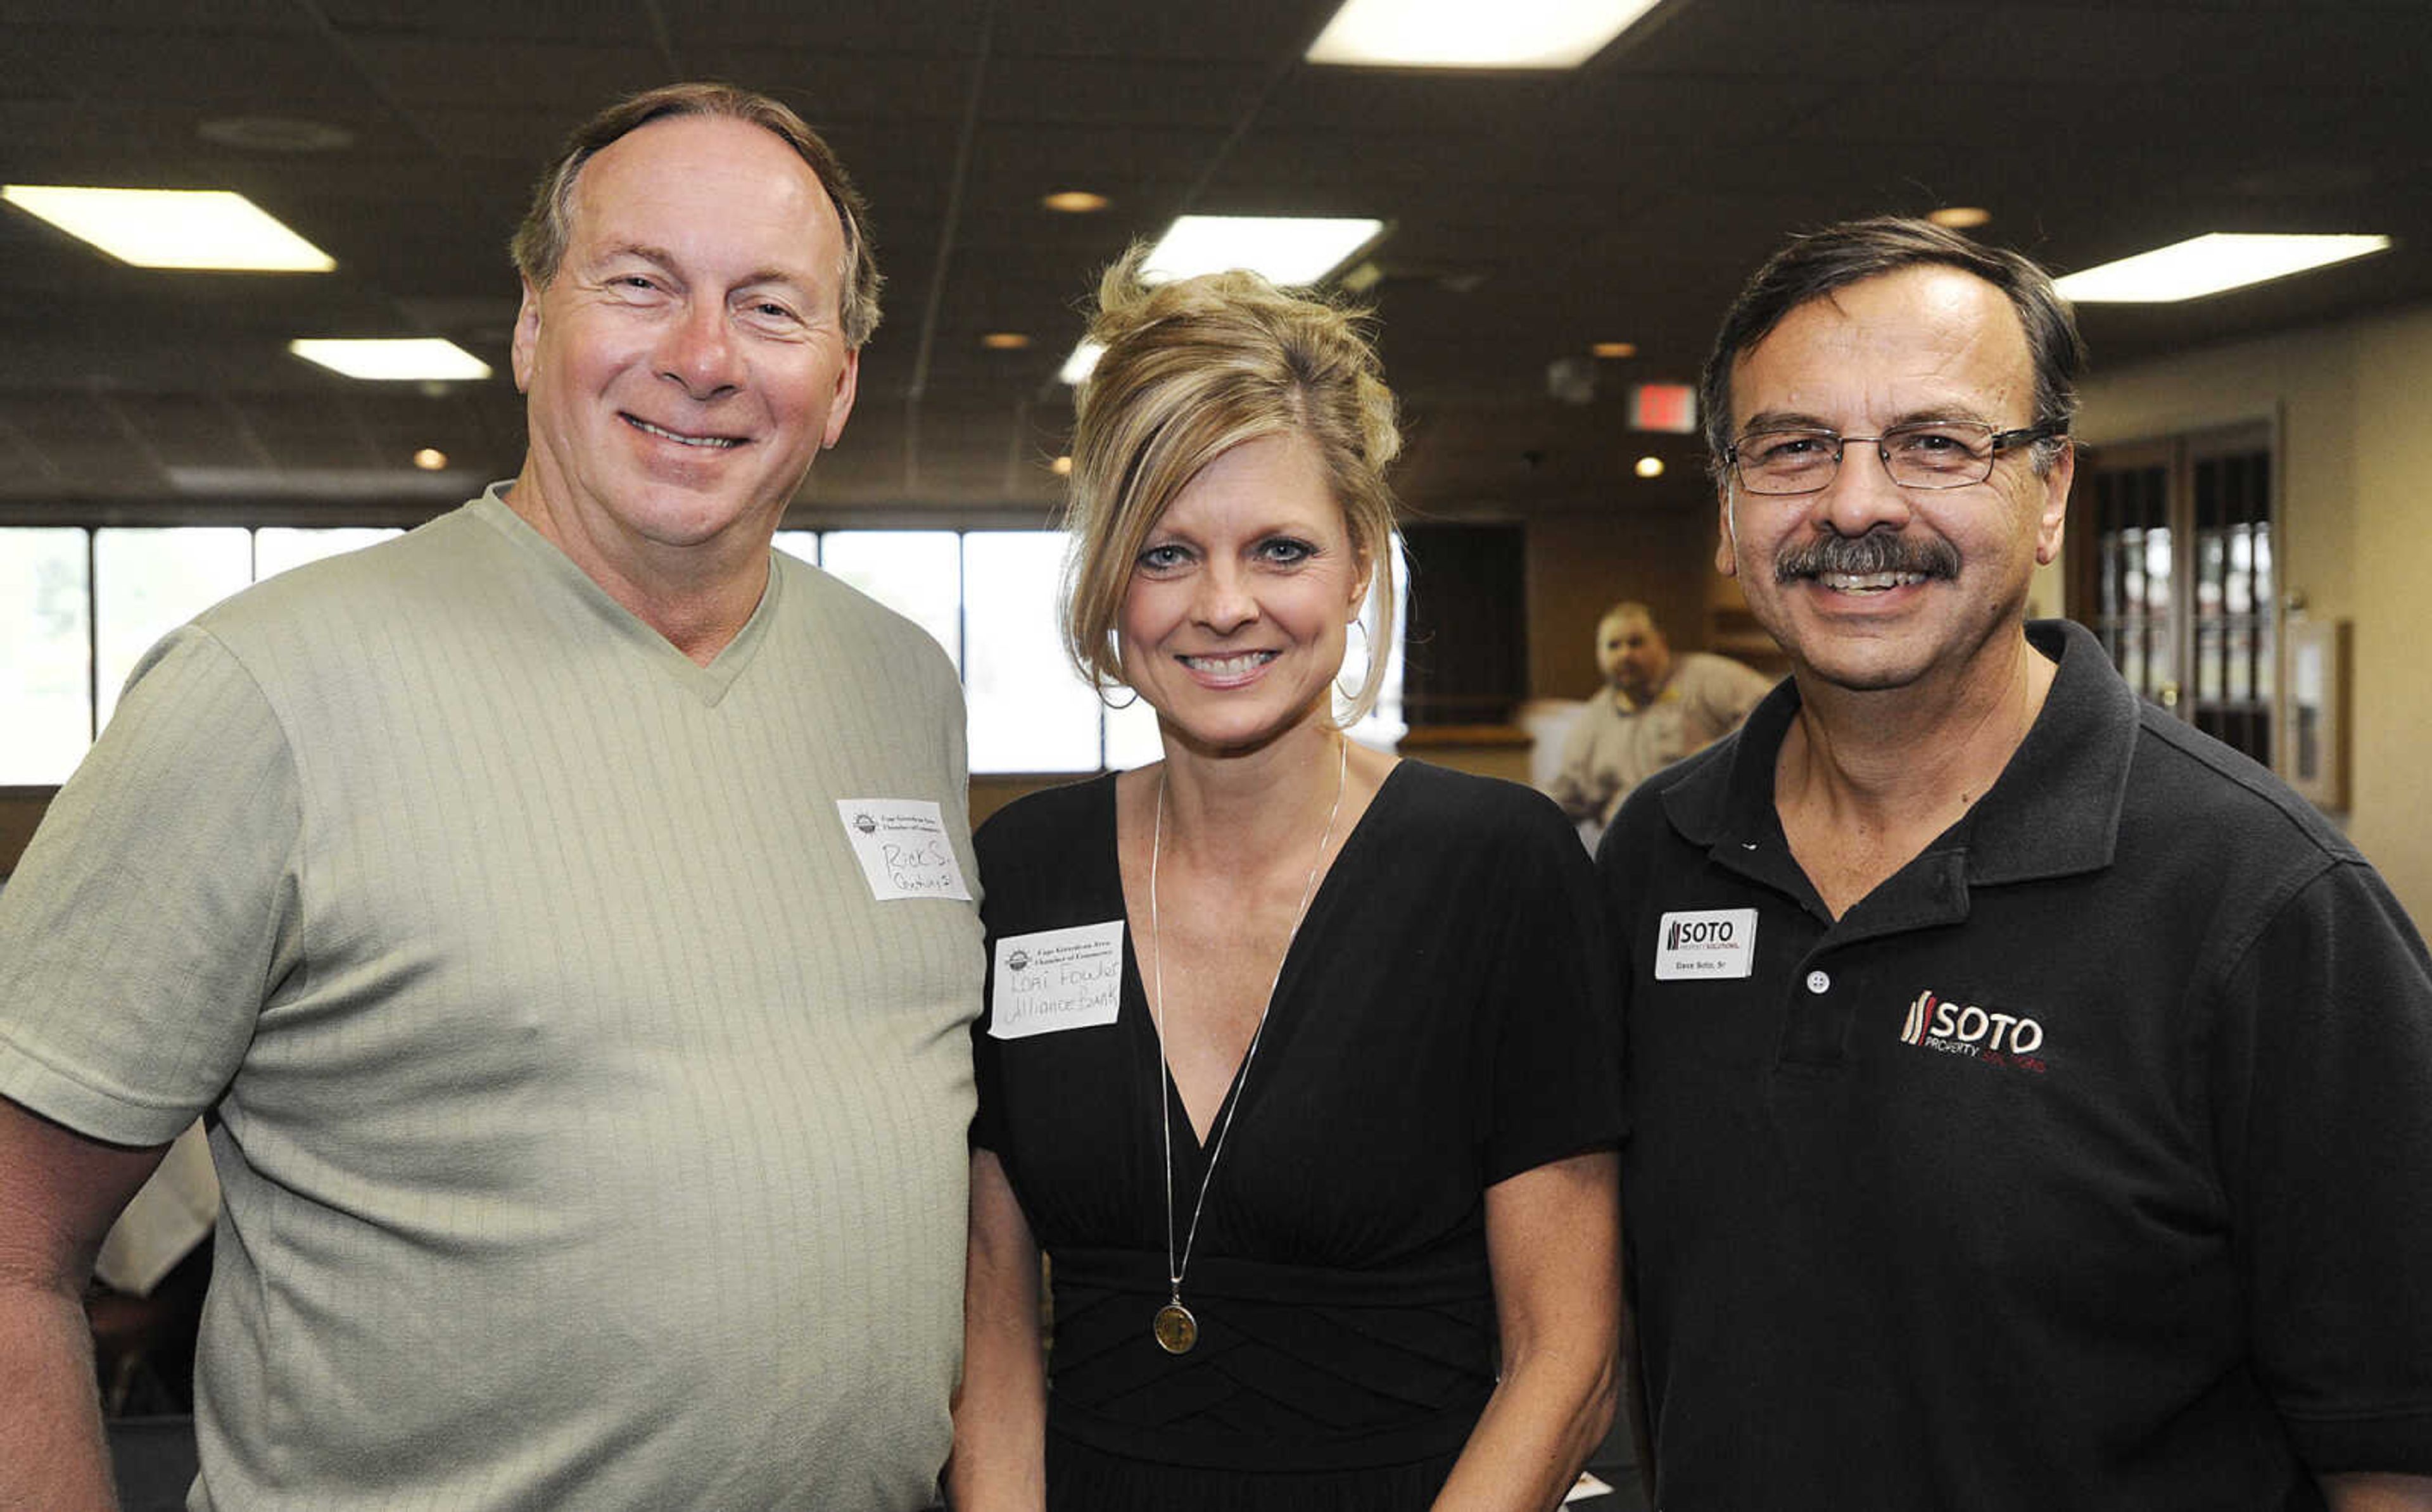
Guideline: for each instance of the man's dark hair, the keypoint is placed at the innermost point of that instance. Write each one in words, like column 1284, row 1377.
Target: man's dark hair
column 1814, row 264
column 540, row 241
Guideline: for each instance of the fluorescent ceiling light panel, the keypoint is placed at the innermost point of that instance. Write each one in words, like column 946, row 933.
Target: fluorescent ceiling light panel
column 1286, row 249
column 426, row 358
column 1467, row 34
column 174, row 227
column 2209, row 264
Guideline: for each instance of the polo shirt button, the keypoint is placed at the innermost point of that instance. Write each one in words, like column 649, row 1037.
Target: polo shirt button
column 1819, row 983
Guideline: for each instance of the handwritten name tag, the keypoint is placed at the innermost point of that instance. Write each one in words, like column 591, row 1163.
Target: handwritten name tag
column 1057, row 980
column 903, row 848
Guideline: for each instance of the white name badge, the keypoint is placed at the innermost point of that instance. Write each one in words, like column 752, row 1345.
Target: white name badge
column 903, row 848
column 1717, row 944
column 1058, row 980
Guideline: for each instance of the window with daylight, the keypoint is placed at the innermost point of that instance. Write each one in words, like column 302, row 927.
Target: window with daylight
column 79, row 607
column 1029, row 712
column 275, row 549
column 146, row 583
column 919, row 574
column 47, row 646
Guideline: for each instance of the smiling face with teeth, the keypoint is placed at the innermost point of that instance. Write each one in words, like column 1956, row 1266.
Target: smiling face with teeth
column 687, row 362
column 1867, row 585
column 1234, row 624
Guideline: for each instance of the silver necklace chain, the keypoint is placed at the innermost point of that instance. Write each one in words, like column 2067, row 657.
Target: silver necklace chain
column 1175, row 1265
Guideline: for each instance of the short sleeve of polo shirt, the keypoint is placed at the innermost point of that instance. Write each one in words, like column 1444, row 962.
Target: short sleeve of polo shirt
column 2324, row 1120
column 154, row 910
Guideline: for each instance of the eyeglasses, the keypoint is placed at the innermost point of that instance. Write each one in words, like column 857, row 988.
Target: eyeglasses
column 1933, row 454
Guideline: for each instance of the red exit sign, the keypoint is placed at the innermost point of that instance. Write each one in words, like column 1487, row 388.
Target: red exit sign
column 1669, row 407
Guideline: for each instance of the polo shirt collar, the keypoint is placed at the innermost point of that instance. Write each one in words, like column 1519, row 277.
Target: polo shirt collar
column 2053, row 812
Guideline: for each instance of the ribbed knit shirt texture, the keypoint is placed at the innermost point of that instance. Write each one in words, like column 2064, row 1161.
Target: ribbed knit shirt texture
column 591, row 1136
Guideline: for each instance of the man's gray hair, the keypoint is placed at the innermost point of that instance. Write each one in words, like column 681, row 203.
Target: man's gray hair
column 540, row 242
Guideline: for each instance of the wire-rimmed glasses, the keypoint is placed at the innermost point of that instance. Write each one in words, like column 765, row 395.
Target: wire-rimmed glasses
column 1929, row 454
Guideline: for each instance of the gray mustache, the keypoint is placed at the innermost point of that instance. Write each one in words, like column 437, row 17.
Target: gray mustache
column 1878, row 550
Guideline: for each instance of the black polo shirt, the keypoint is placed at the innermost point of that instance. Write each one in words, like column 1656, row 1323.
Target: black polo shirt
column 2086, row 1163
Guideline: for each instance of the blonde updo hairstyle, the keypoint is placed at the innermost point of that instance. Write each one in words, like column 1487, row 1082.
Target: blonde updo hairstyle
column 1191, row 370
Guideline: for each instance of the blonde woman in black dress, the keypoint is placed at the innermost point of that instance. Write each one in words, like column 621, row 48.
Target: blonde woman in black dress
column 1300, row 1064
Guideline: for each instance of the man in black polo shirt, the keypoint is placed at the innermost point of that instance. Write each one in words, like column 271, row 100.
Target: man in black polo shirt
column 2033, row 1097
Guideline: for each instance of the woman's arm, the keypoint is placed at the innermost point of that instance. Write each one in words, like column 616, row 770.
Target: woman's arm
column 999, row 1458
column 1553, row 1242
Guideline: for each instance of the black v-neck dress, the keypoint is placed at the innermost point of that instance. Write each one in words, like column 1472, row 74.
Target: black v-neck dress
column 1444, row 1020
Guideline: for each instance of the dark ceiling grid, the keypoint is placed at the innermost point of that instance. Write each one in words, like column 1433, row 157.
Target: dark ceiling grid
column 1530, row 215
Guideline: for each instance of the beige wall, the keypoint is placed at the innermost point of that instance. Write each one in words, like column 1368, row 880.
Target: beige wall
column 2354, row 406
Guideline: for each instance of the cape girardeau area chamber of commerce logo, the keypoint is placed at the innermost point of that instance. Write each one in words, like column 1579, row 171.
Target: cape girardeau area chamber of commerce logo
column 1980, row 1034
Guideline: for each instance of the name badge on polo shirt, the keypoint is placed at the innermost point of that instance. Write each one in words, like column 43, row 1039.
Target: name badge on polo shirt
column 903, row 848
column 1714, row 945
column 1057, row 978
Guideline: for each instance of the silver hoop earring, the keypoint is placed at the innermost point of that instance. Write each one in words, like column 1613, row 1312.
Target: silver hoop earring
column 1128, row 703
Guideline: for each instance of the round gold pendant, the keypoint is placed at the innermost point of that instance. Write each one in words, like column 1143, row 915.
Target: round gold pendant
column 1176, row 1330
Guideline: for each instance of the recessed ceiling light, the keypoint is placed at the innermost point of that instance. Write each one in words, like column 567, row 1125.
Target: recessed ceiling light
column 1286, row 249
column 1083, row 361
column 2209, row 264
column 392, row 359
column 431, row 458
column 1076, row 202
column 1465, row 34
column 212, row 229
column 1061, row 466
column 1004, row 340
column 1614, row 349
column 1960, row 217
column 1650, row 467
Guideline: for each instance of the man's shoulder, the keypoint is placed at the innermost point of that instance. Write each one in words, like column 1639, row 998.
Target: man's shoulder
column 835, row 610
column 2208, row 797
column 1715, row 662
column 384, row 579
column 1709, row 670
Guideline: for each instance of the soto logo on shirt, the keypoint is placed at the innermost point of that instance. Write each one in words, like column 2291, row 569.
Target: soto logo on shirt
column 1982, row 1034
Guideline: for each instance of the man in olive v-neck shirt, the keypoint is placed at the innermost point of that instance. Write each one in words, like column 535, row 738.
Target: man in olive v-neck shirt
column 564, row 910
